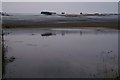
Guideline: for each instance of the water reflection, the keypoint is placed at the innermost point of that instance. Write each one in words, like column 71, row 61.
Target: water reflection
column 70, row 53
column 47, row 34
column 83, row 31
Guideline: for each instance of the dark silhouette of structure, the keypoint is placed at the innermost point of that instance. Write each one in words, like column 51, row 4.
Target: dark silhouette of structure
column 81, row 13
column 47, row 34
column 4, row 14
column 47, row 13
column 63, row 13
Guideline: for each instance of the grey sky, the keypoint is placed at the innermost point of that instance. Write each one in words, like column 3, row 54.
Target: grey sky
column 0, row 6
column 68, row 7
column 60, row 0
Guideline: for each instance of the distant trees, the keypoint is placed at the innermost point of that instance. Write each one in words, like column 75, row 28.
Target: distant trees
column 96, row 14
column 4, row 14
column 62, row 12
column 81, row 13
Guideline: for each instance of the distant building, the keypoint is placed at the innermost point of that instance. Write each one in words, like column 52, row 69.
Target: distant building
column 47, row 13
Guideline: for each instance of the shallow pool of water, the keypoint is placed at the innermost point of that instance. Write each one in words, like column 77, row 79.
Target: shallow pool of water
column 66, row 53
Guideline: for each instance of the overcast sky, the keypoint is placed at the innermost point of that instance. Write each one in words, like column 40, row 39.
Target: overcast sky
column 60, row 0
column 68, row 7
column 0, row 6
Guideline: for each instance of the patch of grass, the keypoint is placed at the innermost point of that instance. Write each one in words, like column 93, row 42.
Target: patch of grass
column 60, row 25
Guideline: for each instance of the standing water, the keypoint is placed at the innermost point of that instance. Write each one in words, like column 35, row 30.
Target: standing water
column 62, row 53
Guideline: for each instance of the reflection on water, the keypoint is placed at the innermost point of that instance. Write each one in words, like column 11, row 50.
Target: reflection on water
column 70, row 53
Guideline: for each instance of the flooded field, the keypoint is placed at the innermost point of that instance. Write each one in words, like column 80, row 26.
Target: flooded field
column 62, row 53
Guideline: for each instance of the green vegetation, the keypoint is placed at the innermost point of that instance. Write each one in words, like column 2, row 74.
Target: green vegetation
column 59, row 25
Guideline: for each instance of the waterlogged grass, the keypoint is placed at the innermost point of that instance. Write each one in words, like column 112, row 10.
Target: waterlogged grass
column 107, row 65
